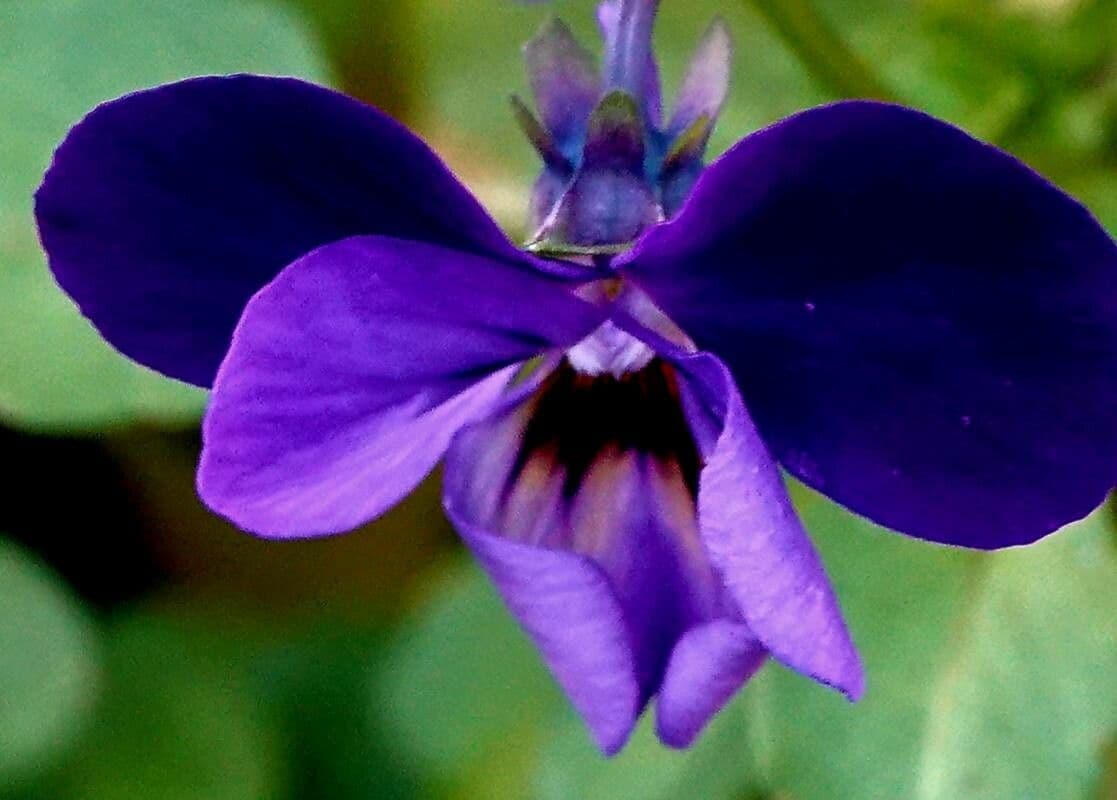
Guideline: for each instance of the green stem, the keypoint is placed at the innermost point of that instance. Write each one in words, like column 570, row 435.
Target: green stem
column 815, row 42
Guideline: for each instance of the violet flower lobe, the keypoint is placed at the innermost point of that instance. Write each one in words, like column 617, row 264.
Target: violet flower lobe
column 906, row 319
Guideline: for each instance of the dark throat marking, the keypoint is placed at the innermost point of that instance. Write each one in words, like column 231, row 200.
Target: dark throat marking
column 575, row 417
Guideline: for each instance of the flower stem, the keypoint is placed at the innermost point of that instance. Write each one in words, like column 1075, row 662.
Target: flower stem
column 815, row 42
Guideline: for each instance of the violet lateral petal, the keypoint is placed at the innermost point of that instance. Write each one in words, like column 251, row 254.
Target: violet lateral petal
column 924, row 329
column 165, row 210
column 755, row 539
column 707, row 667
column 607, row 580
column 349, row 374
column 564, row 599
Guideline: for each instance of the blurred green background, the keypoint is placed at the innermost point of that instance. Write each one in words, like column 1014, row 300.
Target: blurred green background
column 149, row 651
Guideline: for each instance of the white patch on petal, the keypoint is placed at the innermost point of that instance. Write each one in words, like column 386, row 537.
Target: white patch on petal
column 609, row 350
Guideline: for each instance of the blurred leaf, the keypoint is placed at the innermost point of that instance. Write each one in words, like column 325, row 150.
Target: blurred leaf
column 1029, row 696
column 48, row 666
column 209, row 698
column 305, row 675
column 989, row 676
column 927, row 66
column 57, row 60
column 336, row 750
column 462, row 687
column 364, row 573
column 1054, row 43
column 369, row 47
column 177, row 722
column 1099, row 192
column 1023, row 80
column 726, row 762
column 809, row 35
column 1107, row 786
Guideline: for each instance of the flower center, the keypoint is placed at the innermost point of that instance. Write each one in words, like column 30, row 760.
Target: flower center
column 610, row 350
column 577, row 419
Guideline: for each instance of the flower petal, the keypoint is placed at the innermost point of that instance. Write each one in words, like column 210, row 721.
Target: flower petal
column 601, row 563
column 165, row 210
column 564, row 601
column 924, row 329
column 755, row 540
column 349, row 374
column 707, row 667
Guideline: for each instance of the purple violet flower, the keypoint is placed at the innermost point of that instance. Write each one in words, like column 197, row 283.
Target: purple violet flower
column 910, row 321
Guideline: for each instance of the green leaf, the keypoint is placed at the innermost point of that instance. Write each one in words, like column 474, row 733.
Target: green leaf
column 58, row 59
column 809, row 35
column 726, row 762
column 177, row 721
column 210, row 698
column 48, row 666
column 320, row 679
column 1098, row 190
column 462, row 684
column 1107, row 786
column 1026, row 702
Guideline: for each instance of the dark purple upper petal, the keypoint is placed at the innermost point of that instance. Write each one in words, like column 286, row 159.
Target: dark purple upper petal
column 923, row 328
column 165, row 210
column 349, row 374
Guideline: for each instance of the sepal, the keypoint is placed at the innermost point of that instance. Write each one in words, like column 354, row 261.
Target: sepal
column 565, row 82
column 610, row 200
